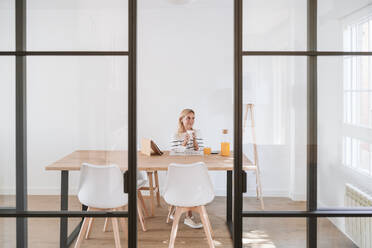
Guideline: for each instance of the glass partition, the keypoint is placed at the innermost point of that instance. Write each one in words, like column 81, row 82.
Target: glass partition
column 343, row 232
column 77, row 25
column 7, row 132
column 7, row 25
column 272, row 232
column 185, row 62
column 274, row 140
column 345, row 128
column 271, row 25
column 77, row 113
column 344, row 25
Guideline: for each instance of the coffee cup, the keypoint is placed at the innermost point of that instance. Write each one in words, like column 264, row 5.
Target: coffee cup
column 190, row 132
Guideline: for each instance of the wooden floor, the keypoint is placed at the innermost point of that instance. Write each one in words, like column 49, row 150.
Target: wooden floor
column 257, row 232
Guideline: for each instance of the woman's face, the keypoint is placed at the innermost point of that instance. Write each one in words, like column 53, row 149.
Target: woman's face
column 188, row 121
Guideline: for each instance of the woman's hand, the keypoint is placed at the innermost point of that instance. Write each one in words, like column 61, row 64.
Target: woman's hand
column 186, row 140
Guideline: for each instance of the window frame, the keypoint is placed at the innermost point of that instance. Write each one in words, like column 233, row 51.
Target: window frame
column 312, row 212
column 351, row 157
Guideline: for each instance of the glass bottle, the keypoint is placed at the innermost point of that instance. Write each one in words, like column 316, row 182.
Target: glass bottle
column 225, row 144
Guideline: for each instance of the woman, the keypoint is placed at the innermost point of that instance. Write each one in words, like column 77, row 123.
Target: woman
column 187, row 140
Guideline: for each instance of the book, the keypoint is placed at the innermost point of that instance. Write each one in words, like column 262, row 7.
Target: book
column 149, row 148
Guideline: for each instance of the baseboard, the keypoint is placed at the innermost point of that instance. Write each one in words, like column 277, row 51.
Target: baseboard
column 297, row 197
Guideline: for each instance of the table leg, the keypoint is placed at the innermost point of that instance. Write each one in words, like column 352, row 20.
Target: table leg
column 64, row 206
column 76, row 231
column 157, row 187
column 229, row 202
column 64, row 240
column 151, row 188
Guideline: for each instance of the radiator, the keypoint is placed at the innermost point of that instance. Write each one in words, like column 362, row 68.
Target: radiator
column 358, row 229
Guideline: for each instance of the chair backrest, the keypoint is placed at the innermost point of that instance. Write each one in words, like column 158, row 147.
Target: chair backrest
column 188, row 185
column 101, row 186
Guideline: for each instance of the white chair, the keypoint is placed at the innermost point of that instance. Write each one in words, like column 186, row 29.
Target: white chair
column 141, row 206
column 189, row 188
column 101, row 189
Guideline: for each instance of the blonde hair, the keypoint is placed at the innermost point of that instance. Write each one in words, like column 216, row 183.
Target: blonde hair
column 181, row 127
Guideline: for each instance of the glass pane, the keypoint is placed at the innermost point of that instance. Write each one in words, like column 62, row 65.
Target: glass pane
column 7, row 131
column 274, row 25
column 275, row 134
column 8, row 232
column 77, row 25
column 77, row 113
column 158, row 231
column 180, row 70
column 344, row 134
column 44, row 233
column 7, row 25
column 344, row 232
column 272, row 232
column 343, row 25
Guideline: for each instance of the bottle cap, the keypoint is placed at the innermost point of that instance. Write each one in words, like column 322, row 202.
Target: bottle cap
column 225, row 131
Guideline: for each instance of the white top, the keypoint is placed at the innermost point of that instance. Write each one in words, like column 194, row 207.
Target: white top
column 178, row 138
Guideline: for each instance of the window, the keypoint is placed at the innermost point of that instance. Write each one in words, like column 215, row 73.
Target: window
column 358, row 74
column 357, row 154
column 357, row 94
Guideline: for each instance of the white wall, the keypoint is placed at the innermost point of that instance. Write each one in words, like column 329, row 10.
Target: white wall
column 185, row 60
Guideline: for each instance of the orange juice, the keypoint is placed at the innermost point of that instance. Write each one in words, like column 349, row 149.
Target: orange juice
column 225, row 149
column 207, row 151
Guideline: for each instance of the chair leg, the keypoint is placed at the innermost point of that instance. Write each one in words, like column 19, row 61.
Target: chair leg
column 140, row 197
column 151, row 189
column 141, row 218
column 105, row 225
column 206, row 224
column 83, row 229
column 204, row 210
column 89, row 228
column 170, row 211
column 176, row 219
column 115, row 227
column 157, row 187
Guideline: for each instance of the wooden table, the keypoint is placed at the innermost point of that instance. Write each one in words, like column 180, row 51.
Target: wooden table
column 150, row 164
column 73, row 161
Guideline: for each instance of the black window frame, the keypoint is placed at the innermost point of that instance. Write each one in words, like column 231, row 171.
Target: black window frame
column 312, row 213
